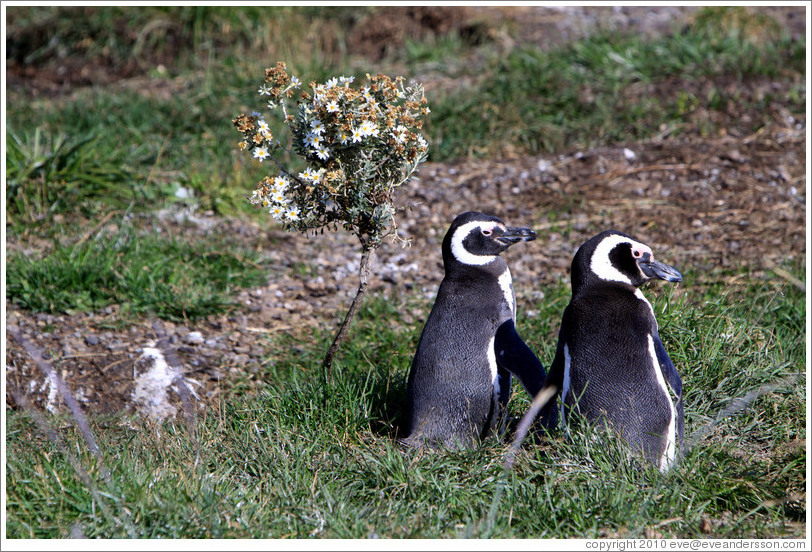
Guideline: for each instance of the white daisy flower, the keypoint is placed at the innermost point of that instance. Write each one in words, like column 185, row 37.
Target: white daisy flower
column 292, row 214
column 260, row 153
column 317, row 126
column 368, row 128
column 322, row 152
column 312, row 139
column 315, row 176
column 281, row 182
column 277, row 211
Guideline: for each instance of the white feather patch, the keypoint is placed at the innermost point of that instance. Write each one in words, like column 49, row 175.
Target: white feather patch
column 492, row 364
column 458, row 248
column 492, row 360
column 639, row 295
column 506, row 283
column 154, row 378
column 602, row 265
column 670, row 451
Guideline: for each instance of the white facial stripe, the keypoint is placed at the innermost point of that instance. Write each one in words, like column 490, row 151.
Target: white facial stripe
column 458, row 248
column 565, row 387
column 506, row 283
column 670, row 451
column 602, row 265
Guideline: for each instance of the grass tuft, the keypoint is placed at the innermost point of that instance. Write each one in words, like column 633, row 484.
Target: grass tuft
column 143, row 274
column 54, row 173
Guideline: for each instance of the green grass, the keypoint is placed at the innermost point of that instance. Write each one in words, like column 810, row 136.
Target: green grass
column 298, row 458
column 149, row 274
column 55, row 173
column 605, row 89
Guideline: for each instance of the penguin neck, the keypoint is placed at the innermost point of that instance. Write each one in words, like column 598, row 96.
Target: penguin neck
column 598, row 286
column 591, row 283
column 489, row 276
column 495, row 269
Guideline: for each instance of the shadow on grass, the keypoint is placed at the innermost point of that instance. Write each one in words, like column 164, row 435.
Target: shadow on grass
column 386, row 398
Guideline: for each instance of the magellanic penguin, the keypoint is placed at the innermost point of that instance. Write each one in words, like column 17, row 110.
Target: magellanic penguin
column 610, row 364
column 460, row 378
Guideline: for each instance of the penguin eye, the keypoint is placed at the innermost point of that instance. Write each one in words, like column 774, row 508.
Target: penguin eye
column 487, row 231
column 636, row 253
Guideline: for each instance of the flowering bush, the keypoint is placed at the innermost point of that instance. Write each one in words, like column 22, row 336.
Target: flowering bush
column 358, row 144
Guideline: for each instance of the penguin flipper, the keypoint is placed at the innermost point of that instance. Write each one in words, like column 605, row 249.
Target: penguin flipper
column 673, row 379
column 513, row 355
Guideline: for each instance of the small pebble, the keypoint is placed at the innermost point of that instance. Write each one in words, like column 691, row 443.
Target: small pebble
column 194, row 338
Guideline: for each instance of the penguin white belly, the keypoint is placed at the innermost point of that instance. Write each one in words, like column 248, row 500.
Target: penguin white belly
column 670, row 451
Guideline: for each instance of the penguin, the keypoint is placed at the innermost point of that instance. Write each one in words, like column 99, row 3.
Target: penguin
column 610, row 365
column 460, row 378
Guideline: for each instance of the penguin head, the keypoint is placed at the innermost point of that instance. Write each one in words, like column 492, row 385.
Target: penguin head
column 477, row 239
column 612, row 256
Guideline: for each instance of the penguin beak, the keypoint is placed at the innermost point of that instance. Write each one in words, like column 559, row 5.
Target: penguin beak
column 513, row 235
column 656, row 269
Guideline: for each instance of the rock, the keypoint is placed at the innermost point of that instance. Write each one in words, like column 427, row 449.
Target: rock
column 194, row 338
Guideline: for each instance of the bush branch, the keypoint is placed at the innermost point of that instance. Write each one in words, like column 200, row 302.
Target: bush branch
column 341, row 336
